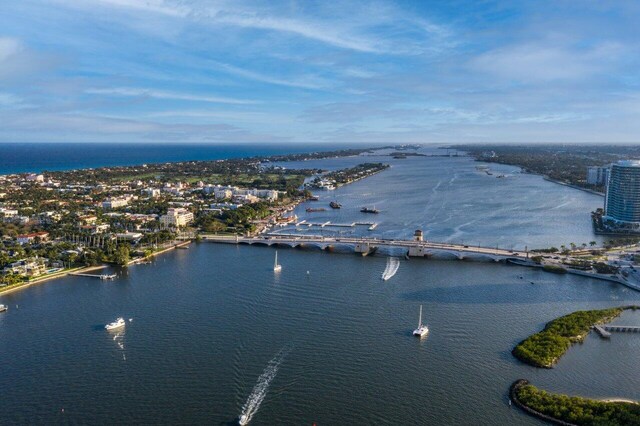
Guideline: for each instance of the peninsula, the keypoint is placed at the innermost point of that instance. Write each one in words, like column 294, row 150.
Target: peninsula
column 54, row 223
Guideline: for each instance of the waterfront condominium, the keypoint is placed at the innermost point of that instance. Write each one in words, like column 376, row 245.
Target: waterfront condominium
column 622, row 202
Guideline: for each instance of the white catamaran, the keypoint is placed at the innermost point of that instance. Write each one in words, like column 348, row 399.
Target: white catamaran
column 276, row 267
column 422, row 329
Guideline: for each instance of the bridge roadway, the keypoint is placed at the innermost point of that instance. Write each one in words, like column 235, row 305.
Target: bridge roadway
column 366, row 245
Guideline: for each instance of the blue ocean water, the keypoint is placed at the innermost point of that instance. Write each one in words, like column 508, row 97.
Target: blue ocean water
column 38, row 157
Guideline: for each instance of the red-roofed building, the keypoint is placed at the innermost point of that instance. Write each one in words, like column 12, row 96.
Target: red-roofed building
column 29, row 238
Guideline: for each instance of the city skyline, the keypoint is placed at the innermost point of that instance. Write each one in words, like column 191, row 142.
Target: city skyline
column 194, row 71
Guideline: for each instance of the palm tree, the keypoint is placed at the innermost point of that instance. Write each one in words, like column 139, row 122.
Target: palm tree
column 592, row 243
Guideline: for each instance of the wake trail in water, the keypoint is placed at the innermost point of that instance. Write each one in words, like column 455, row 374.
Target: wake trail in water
column 250, row 408
column 393, row 263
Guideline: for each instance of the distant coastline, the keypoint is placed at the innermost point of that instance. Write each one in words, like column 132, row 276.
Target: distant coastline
column 38, row 157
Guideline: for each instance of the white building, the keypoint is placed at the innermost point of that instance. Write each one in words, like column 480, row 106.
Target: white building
column 152, row 192
column 225, row 192
column 176, row 218
column 35, row 178
column 597, row 175
column 129, row 236
column 31, row 267
column 114, row 203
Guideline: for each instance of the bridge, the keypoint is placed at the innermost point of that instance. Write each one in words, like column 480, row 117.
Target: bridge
column 368, row 245
column 622, row 328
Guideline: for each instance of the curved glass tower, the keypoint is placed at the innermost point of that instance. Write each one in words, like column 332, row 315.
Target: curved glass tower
column 622, row 203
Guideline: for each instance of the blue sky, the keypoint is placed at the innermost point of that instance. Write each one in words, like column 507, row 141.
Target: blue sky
column 343, row 71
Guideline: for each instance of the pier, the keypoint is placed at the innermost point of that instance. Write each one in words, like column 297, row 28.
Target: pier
column 329, row 224
column 99, row 276
column 601, row 331
column 622, row 328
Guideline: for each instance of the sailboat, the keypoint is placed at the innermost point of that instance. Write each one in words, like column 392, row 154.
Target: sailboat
column 422, row 329
column 276, row 267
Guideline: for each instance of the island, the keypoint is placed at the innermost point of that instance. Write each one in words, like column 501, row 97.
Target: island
column 572, row 410
column 545, row 348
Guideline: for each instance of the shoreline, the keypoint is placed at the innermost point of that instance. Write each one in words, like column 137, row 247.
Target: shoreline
column 85, row 269
column 61, row 274
column 164, row 250
column 513, row 396
column 570, row 185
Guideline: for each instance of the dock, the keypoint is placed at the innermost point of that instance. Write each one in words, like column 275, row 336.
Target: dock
column 601, row 331
column 99, row 276
column 622, row 328
column 329, row 224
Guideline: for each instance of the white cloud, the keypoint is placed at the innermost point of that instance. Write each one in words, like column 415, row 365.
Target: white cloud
column 307, row 82
column 161, row 94
column 534, row 62
column 8, row 47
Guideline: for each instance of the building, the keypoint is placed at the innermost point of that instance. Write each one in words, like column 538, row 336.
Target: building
column 227, row 192
column 152, row 192
column 176, row 218
column 114, row 203
column 597, row 175
column 622, row 201
column 129, row 236
column 95, row 228
column 34, row 178
column 30, row 238
column 31, row 267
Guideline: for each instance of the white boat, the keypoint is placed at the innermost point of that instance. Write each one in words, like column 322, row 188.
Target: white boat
column 422, row 329
column 3, row 308
column 116, row 324
column 276, row 267
column 243, row 420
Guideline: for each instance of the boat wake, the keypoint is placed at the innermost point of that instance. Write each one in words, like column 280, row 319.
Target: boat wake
column 260, row 389
column 119, row 339
column 393, row 263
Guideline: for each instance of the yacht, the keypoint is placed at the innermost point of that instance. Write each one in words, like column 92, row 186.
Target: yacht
column 244, row 420
column 276, row 266
column 422, row 329
column 3, row 308
column 116, row 324
column 369, row 210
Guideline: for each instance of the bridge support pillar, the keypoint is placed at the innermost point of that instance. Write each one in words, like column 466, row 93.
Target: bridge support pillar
column 416, row 251
column 365, row 249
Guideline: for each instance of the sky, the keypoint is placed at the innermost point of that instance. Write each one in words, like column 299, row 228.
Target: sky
column 419, row 71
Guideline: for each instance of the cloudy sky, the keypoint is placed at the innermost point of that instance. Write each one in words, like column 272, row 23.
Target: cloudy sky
column 326, row 71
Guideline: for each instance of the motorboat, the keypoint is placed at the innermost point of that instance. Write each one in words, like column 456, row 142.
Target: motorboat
column 120, row 322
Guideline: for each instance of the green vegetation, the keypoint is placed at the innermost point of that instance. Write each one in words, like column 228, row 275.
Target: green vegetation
column 543, row 349
column 554, row 269
column 345, row 176
column 240, row 220
column 603, row 268
column 565, row 163
column 575, row 410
